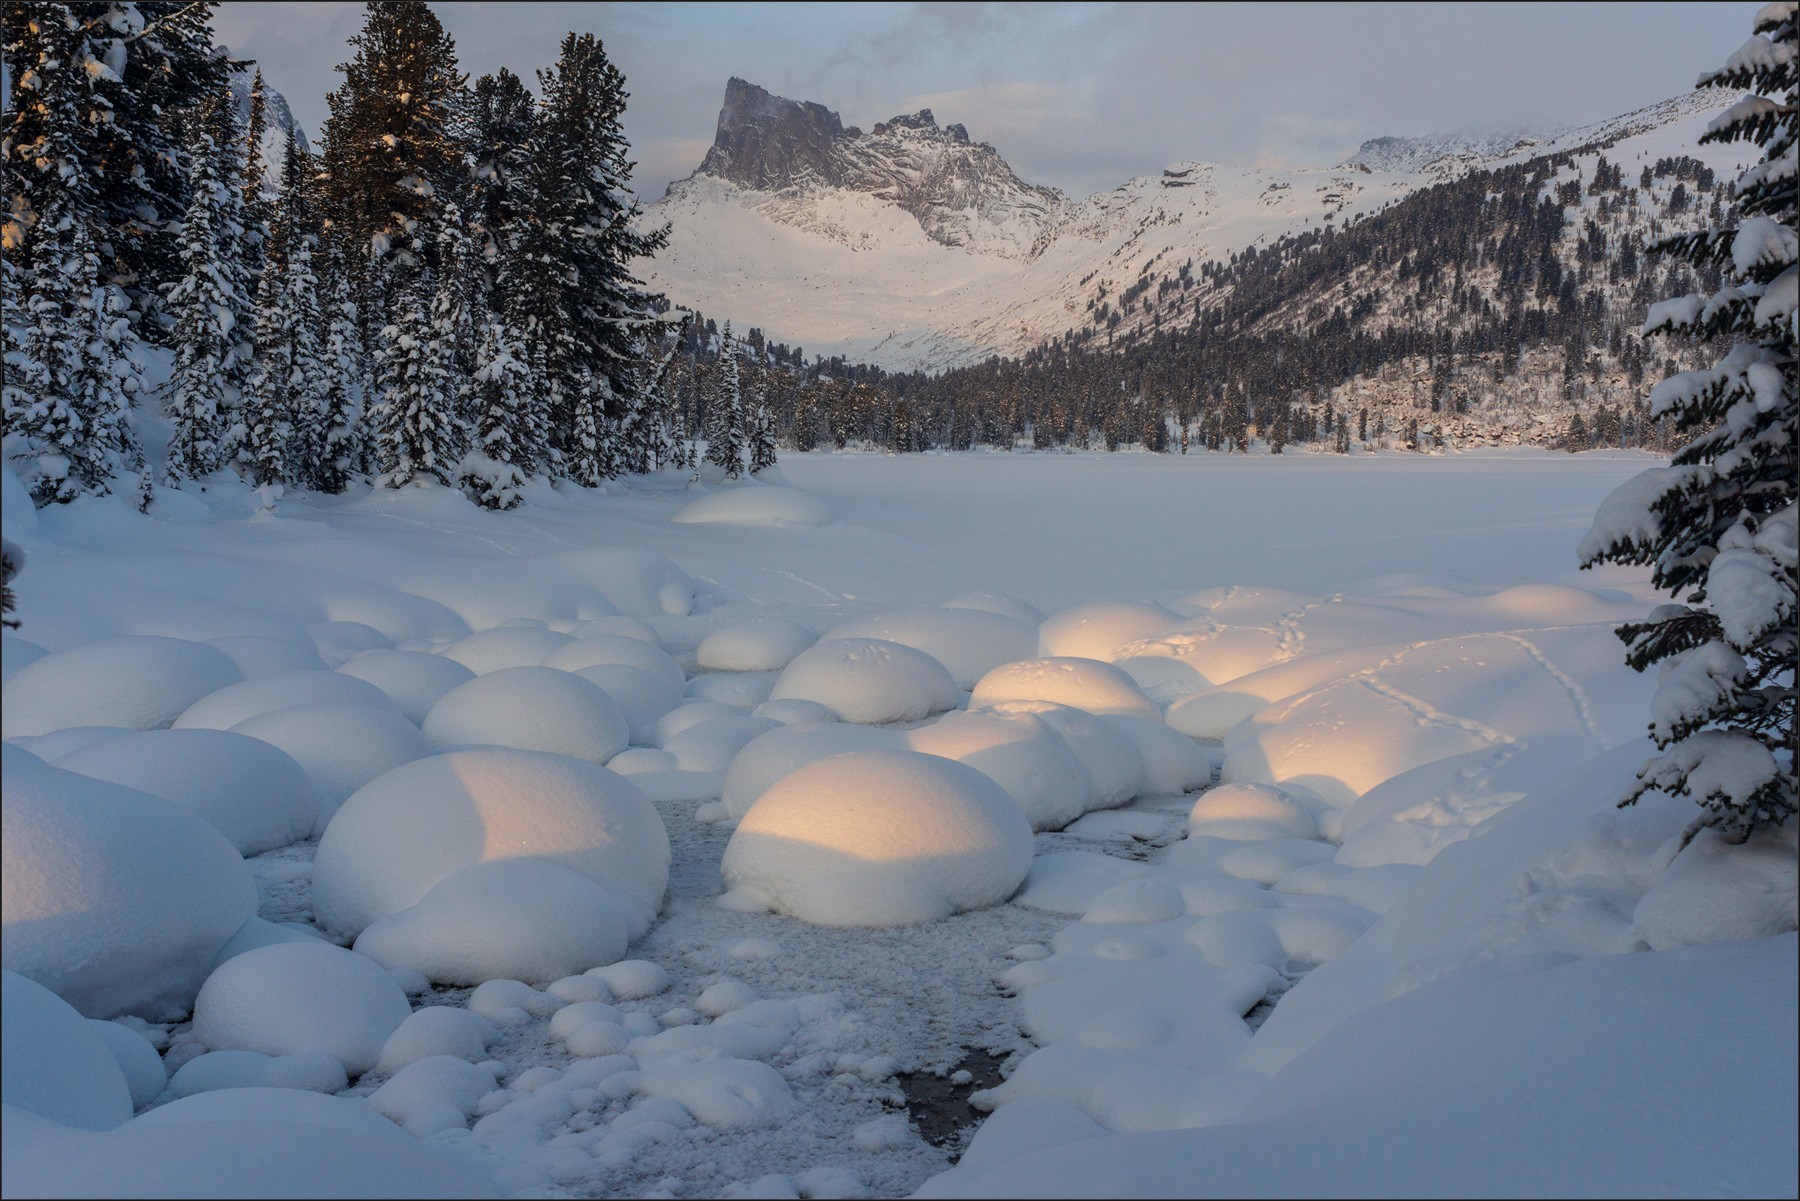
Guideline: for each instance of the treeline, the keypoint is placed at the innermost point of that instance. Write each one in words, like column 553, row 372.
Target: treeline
column 445, row 291
column 1503, row 306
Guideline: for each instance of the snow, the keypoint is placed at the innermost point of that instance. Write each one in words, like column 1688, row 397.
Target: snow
column 505, row 646
column 598, row 649
column 1098, row 630
column 413, row 680
column 1019, row 752
column 114, row 899
column 406, row 831
column 643, row 697
column 242, row 701
column 1079, row 683
column 252, row 793
column 137, row 1057
column 523, row 919
column 757, row 505
column 1388, row 937
column 55, row 1063
column 868, row 680
column 531, row 709
column 300, row 997
column 759, row 644
column 968, row 642
column 141, row 682
column 875, row 838
column 341, row 746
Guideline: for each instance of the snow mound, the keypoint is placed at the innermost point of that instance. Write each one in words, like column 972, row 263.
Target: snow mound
column 1173, row 763
column 686, row 717
column 514, row 919
column 55, row 1063
column 998, row 602
column 616, row 648
column 436, row 1030
column 760, row 644
column 339, row 641
column 440, row 1093
column 742, row 690
column 413, row 680
column 315, row 1071
column 1017, row 751
column 301, row 996
column 711, row 745
column 642, row 696
column 794, row 712
column 251, row 792
column 869, row 681
column 257, row 655
column 627, row 627
column 140, row 682
column 879, row 838
column 505, row 646
column 968, row 642
column 1089, row 684
column 1245, row 812
column 15, row 653
column 240, row 702
column 342, row 747
column 406, row 831
column 530, row 709
column 757, row 504
column 1098, row 630
column 781, row 752
column 114, row 899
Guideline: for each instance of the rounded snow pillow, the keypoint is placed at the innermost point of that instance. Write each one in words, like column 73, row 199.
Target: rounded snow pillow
column 686, row 717
column 139, row 682
column 342, row 747
column 1079, row 683
column 1173, row 763
column 413, row 680
column 998, row 602
column 505, row 646
column 757, row 504
column 642, row 696
column 1244, row 812
column 54, row 1063
column 869, row 681
column 404, row 832
column 742, row 690
column 504, row 919
column 1099, row 629
column 15, row 653
column 301, row 996
column 785, row 750
column 879, row 838
column 531, row 709
column 711, row 745
column 616, row 648
column 251, row 792
column 1020, row 753
column 968, row 642
column 114, row 899
column 759, row 644
column 259, row 655
column 238, row 702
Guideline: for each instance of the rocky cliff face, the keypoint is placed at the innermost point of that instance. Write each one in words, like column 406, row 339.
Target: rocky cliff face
column 961, row 192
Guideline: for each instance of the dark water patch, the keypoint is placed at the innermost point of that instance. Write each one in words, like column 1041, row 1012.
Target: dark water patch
column 939, row 1104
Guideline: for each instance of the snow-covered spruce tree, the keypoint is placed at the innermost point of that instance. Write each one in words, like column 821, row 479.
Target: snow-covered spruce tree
column 219, row 116
column 346, row 377
column 417, row 429
column 202, row 303
column 268, row 413
column 493, row 470
column 759, row 423
column 259, row 214
column 1718, row 525
column 725, row 411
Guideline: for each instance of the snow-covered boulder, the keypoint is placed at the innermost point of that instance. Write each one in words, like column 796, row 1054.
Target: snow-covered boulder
column 404, row 832
column 145, row 1074
column 258, row 655
column 879, row 838
column 616, row 648
column 998, row 602
column 1099, row 629
column 968, row 642
column 792, row 711
column 339, row 641
column 413, row 680
column 504, row 919
column 757, row 504
column 711, row 745
column 301, row 996
column 16, row 653
column 1115, row 770
column 1173, row 763
column 342, row 747
column 758, row 644
column 251, row 792
column 1079, row 683
column 1020, row 753
column 741, row 690
column 114, row 899
column 642, row 696
column 55, row 1063
column 868, row 680
column 531, row 709
column 1248, row 812
column 140, row 682
column 781, row 752
column 240, row 702
column 686, row 717
column 505, row 646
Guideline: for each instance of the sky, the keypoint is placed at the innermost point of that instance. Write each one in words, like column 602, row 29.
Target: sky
column 1078, row 96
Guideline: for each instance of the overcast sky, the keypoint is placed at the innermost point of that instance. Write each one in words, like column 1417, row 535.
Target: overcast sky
column 1079, row 96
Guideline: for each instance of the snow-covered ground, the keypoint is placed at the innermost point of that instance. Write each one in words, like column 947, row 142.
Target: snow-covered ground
column 1298, row 773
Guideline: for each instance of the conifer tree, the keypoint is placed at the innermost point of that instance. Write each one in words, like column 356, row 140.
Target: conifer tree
column 258, row 213
column 1718, row 526
column 724, row 412
column 759, row 431
column 495, row 469
column 345, row 379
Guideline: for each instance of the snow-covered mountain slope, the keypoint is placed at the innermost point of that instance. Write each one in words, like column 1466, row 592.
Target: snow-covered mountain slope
column 913, row 247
